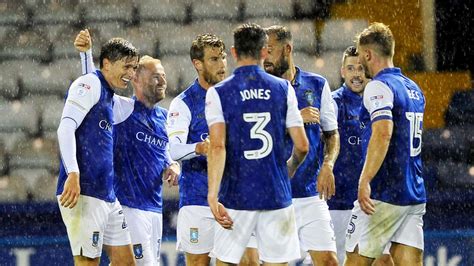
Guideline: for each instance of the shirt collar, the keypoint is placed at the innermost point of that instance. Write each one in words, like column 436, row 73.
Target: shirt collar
column 297, row 79
column 389, row 70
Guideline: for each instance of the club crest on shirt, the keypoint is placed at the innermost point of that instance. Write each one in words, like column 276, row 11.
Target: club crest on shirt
column 95, row 238
column 309, row 96
column 138, row 251
column 194, row 235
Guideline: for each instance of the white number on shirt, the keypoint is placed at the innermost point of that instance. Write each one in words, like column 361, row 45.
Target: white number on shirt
column 258, row 132
column 416, row 122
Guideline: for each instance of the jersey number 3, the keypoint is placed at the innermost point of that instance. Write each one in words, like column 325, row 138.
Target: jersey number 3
column 416, row 124
column 258, row 132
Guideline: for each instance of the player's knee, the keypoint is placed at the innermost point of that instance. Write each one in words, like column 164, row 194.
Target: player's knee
column 197, row 259
column 326, row 258
column 351, row 258
column 384, row 260
column 249, row 259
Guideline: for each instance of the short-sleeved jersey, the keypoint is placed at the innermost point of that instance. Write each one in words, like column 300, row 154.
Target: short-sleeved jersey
column 140, row 154
column 193, row 179
column 311, row 90
column 256, row 109
column 391, row 95
column 349, row 164
column 94, row 142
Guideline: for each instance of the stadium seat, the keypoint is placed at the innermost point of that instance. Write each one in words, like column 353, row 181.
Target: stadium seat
column 13, row 12
column 328, row 65
column 54, row 12
column 221, row 29
column 45, row 188
column 12, row 189
column 9, row 87
column 179, row 72
column 37, row 153
column 18, row 117
column 268, row 8
column 304, row 35
column 42, row 79
column 117, row 10
column 461, row 110
column 51, row 117
column 69, row 69
column 338, row 34
column 215, row 9
column 63, row 41
column 164, row 10
column 170, row 44
column 3, row 158
column 446, row 145
column 452, row 174
column 31, row 44
column 30, row 176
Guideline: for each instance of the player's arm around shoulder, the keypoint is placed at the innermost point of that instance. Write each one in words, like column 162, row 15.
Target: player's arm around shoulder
column 123, row 108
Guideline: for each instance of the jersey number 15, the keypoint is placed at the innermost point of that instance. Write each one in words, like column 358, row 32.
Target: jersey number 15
column 416, row 124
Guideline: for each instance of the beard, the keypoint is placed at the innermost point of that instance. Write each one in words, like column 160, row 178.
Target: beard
column 366, row 70
column 279, row 68
column 154, row 95
column 210, row 78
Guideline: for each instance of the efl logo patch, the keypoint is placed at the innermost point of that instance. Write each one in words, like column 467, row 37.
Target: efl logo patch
column 85, row 86
column 83, row 89
column 194, row 235
column 174, row 114
column 95, row 238
column 138, row 251
column 376, row 97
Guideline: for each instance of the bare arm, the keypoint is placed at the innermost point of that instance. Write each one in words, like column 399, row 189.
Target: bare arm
column 376, row 152
column 326, row 184
column 300, row 149
column 215, row 170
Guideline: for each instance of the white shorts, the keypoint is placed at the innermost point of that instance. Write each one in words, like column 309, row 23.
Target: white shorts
column 93, row 223
column 195, row 229
column 275, row 232
column 340, row 219
column 401, row 224
column 145, row 230
column 315, row 228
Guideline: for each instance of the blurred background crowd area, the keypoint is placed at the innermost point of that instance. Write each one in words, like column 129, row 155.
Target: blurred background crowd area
column 38, row 62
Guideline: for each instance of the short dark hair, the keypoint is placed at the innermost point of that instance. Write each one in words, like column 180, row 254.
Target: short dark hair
column 350, row 51
column 201, row 42
column 282, row 33
column 249, row 39
column 116, row 49
column 380, row 37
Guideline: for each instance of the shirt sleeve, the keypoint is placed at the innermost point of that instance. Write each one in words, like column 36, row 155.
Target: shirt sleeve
column 293, row 115
column 87, row 62
column 378, row 100
column 214, row 112
column 178, row 122
column 84, row 92
column 328, row 114
column 123, row 108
